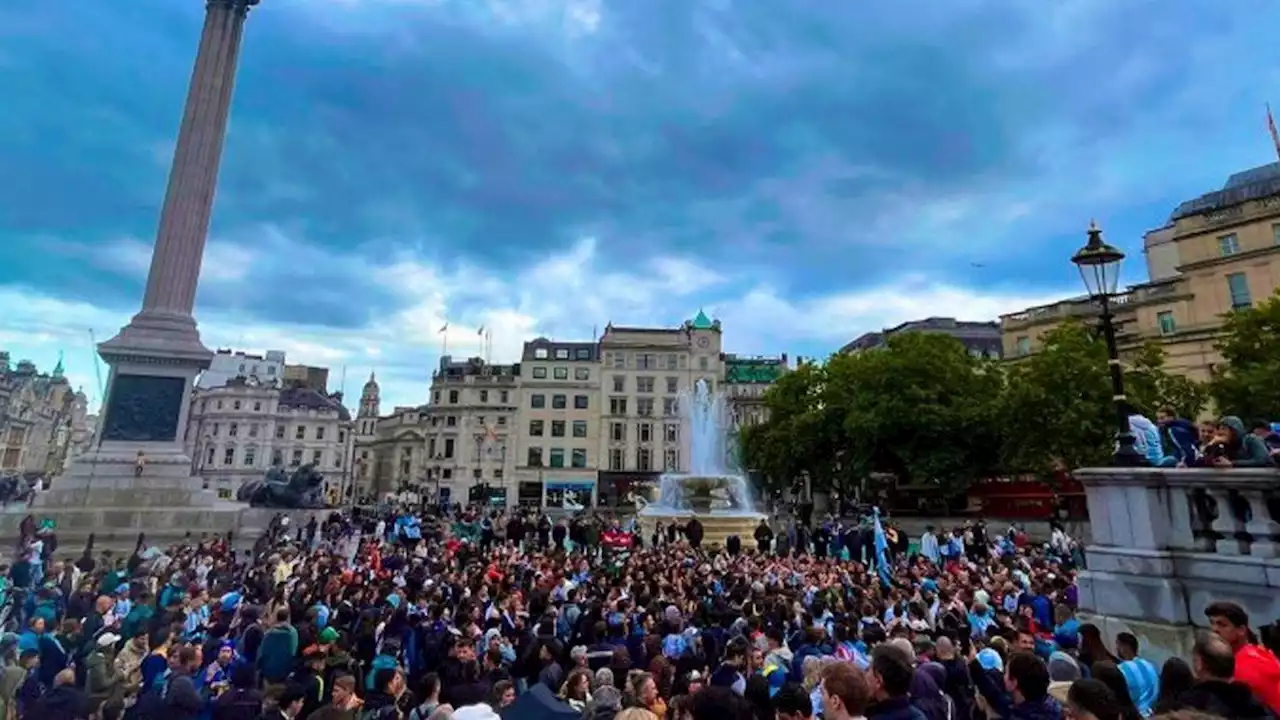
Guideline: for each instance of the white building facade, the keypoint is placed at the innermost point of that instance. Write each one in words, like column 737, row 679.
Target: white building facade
column 238, row 431
column 227, row 365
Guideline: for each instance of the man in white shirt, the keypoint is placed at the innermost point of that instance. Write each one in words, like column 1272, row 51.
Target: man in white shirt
column 929, row 546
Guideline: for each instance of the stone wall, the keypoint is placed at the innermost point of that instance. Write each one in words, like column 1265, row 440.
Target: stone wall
column 1167, row 542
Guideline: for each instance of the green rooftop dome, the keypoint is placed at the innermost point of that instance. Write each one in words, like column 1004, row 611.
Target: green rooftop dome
column 701, row 321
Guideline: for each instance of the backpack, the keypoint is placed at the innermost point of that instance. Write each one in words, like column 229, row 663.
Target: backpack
column 390, row 712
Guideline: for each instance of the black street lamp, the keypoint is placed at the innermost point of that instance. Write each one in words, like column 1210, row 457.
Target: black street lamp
column 1099, row 265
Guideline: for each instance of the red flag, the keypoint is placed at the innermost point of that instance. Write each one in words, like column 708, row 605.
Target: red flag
column 1275, row 136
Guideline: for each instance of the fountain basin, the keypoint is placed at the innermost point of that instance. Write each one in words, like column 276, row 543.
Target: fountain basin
column 721, row 503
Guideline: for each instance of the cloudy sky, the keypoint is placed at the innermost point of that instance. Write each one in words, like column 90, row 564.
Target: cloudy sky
column 805, row 170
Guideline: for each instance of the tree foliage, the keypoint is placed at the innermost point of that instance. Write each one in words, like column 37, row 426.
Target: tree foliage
column 927, row 412
column 1245, row 383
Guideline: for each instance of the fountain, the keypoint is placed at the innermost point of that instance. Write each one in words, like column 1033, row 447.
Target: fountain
column 710, row 491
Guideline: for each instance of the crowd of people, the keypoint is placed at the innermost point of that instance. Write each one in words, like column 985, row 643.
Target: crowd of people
column 477, row 613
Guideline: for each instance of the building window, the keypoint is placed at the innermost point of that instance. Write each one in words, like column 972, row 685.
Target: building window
column 257, row 406
column 233, row 429
column 579, row 428
column 228, row 456
column 671, row 361
column 253, row 430
column 315, row 457
column 644, row 431
column 644, row 459
column 477, row 473
column 502, row 421
column 619, row 383
column 342, row 436
column 617, row 406
column 1238, row 286
column 535, row 457
column 562, row 373
column 557, row 458
column 320, row 432
column 559, row 402
column 644, row 384
column 581, row 402
column 446, row 474
column 249, row 456
column 671, row 460
column 503, row 397
column 540, row 353
column 484, row 396
column 539, row 373
column 271, row 369
column 671, row 431
column 620, row 360
column 702, row 363
column 673, row 385
column 453, row 397
column 582, row 373
column 435, row 397
column 557, row 428
column 300, row 433
column 669, row 406
column 644, row 406
column 579, row 458
column 615, row 459
column 448, row 448
column 1228, row 245
column 1165, row 320
column 617, row 432
column 235, row 405
column 209, row 460
column 451, row 421
column 582, row 354
column 1275, row 233
column 538, row 401
column 277, row 457
column 1023, row 345
column 562, row 353
column 535, row 428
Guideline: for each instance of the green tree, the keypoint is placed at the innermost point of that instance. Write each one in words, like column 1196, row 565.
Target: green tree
column 1150, row 387
column 1056, row 410
column 799, row 438
column 921, row 408
column 1246, row 385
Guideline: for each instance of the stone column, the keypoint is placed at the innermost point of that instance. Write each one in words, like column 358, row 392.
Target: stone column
column 155, row 358
column 165, row 323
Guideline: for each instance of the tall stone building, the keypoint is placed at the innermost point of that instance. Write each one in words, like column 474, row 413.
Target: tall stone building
column 456, row 448
column 746, row 379
column 238, row 431
column 559, row 423
column 644, row 371
column 39, row 416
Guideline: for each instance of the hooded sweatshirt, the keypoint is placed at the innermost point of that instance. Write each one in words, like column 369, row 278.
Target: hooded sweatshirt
column 1252, row 451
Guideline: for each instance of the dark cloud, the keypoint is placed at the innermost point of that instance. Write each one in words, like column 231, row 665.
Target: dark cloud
column 812, row 140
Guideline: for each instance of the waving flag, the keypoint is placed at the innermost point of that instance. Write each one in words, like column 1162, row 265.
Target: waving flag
column 882, row 547
column 443, row 328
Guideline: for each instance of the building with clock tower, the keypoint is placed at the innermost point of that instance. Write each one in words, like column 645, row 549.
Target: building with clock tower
column 643, row 372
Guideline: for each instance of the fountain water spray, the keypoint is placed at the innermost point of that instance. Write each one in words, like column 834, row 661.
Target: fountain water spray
column 712, row 486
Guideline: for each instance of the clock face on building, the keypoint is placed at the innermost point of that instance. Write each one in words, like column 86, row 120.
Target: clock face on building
column 703, row 342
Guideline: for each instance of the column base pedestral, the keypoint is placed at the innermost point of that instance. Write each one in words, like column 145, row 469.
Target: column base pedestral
column 1158, row 641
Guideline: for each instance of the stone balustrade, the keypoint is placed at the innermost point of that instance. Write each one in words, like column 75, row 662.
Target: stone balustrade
column 1167, row 542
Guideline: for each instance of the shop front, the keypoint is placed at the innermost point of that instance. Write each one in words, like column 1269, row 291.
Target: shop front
column 569, row 494
column 618, row 490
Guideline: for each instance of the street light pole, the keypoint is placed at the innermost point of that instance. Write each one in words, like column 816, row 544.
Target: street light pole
column 1099, row 265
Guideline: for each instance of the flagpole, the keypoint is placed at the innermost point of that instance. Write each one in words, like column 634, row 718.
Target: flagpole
column 1275, row 136
column 444, row 340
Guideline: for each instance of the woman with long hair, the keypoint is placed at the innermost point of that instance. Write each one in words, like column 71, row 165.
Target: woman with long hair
column 1092, row 649
column 1108, row 674
column 576, row 691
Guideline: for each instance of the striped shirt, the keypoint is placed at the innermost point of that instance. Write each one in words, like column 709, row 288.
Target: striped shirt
column 1144, row 683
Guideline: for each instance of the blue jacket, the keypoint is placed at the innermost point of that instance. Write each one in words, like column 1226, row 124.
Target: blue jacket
column 1181, row 441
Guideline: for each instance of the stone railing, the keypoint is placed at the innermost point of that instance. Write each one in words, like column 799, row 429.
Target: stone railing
column 1167, row 542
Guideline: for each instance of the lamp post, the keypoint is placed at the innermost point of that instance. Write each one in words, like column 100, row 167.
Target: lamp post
column 1099, row 265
